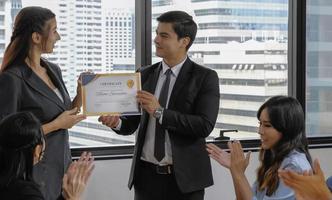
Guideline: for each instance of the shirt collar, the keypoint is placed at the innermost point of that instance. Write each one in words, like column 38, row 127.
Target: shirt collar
column 176, row 69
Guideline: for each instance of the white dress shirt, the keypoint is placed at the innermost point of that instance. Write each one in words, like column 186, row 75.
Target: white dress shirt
column 148, row 148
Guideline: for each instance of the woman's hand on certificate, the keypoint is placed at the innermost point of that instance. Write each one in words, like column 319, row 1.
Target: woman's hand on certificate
column 77, row 101
column 79, row 82
column 147, row 101
column 109, row 120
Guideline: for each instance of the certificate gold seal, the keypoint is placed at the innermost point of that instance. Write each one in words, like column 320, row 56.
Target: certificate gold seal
column 130, row 83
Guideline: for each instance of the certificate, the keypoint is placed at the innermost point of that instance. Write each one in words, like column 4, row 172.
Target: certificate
column 111, row 94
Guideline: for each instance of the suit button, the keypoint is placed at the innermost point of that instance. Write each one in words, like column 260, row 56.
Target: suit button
column 42, row 184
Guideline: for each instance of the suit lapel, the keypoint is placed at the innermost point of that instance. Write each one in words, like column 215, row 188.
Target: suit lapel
column 37, row 84
column 151, row 84
column 182, row 78
column 58, row 83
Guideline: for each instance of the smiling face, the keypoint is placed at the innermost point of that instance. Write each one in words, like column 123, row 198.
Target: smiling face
column 52, row 37
column 269, row 135
column 168, row 45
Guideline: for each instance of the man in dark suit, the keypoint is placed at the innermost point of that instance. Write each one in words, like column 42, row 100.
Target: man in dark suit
column 180, row 101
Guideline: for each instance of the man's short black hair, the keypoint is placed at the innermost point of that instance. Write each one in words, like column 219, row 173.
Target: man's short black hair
column 182, row 23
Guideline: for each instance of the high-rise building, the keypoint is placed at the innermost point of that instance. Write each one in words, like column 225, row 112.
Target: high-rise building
column 80, row 48
column 91, row 40
column 83, row 46
column 245, row 41
column 8, row 12
column 16, row 6
column 119, row 38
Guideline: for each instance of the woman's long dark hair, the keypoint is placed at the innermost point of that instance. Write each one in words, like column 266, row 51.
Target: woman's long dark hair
column 20, row 133
column 28, row 20
column 287, row 117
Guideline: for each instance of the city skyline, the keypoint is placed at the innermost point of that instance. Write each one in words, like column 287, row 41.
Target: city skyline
column 247, row 48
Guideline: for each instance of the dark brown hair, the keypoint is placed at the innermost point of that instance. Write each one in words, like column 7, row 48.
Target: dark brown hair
column 28, row 20
column 20, row 133
column 182, row 23
column 286, row 116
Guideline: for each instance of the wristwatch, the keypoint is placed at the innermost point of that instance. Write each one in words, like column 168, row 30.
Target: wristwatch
column 158, row 113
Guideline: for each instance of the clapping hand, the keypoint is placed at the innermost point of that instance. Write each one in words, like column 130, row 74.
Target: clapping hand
column 77, row 176
column 309, row 185
column 239, row 161
column 219, row 155
column 236, row 160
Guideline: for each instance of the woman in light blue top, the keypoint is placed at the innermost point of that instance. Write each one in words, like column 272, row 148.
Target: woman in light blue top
column 284, row 146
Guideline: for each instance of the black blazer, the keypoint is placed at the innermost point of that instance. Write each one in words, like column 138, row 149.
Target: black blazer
column 190, row 118
column 21, row 190
column 22, row 90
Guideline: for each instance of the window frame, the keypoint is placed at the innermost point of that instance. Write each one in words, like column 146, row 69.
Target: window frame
column 143, row 57
column 296, row 75
column 297, row 50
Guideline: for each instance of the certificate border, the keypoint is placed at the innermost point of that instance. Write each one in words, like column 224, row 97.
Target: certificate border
column 138, row 81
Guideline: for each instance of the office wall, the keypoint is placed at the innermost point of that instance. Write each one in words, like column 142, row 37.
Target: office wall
column 109, row 180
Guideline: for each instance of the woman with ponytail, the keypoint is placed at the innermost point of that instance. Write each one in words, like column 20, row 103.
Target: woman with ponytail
column 284, row 146
column 22, row 145
column 29, row 82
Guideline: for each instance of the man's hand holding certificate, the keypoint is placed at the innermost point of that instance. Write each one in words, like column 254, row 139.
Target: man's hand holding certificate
column 111, row 94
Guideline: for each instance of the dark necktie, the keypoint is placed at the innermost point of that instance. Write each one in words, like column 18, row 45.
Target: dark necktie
column 159, row 143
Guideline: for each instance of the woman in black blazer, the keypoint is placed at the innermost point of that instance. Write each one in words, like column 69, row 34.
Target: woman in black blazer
column 30, row 83
column 22, row 145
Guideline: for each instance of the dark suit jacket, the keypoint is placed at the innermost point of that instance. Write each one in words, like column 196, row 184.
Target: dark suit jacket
column 190, row 118
column 21, row 190
column 22, row 90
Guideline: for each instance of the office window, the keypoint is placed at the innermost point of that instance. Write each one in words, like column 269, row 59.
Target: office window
column 249, row 40
column 82, row 35
column 319, row 69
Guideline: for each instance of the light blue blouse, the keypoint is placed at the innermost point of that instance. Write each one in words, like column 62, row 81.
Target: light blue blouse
column 295, row 161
